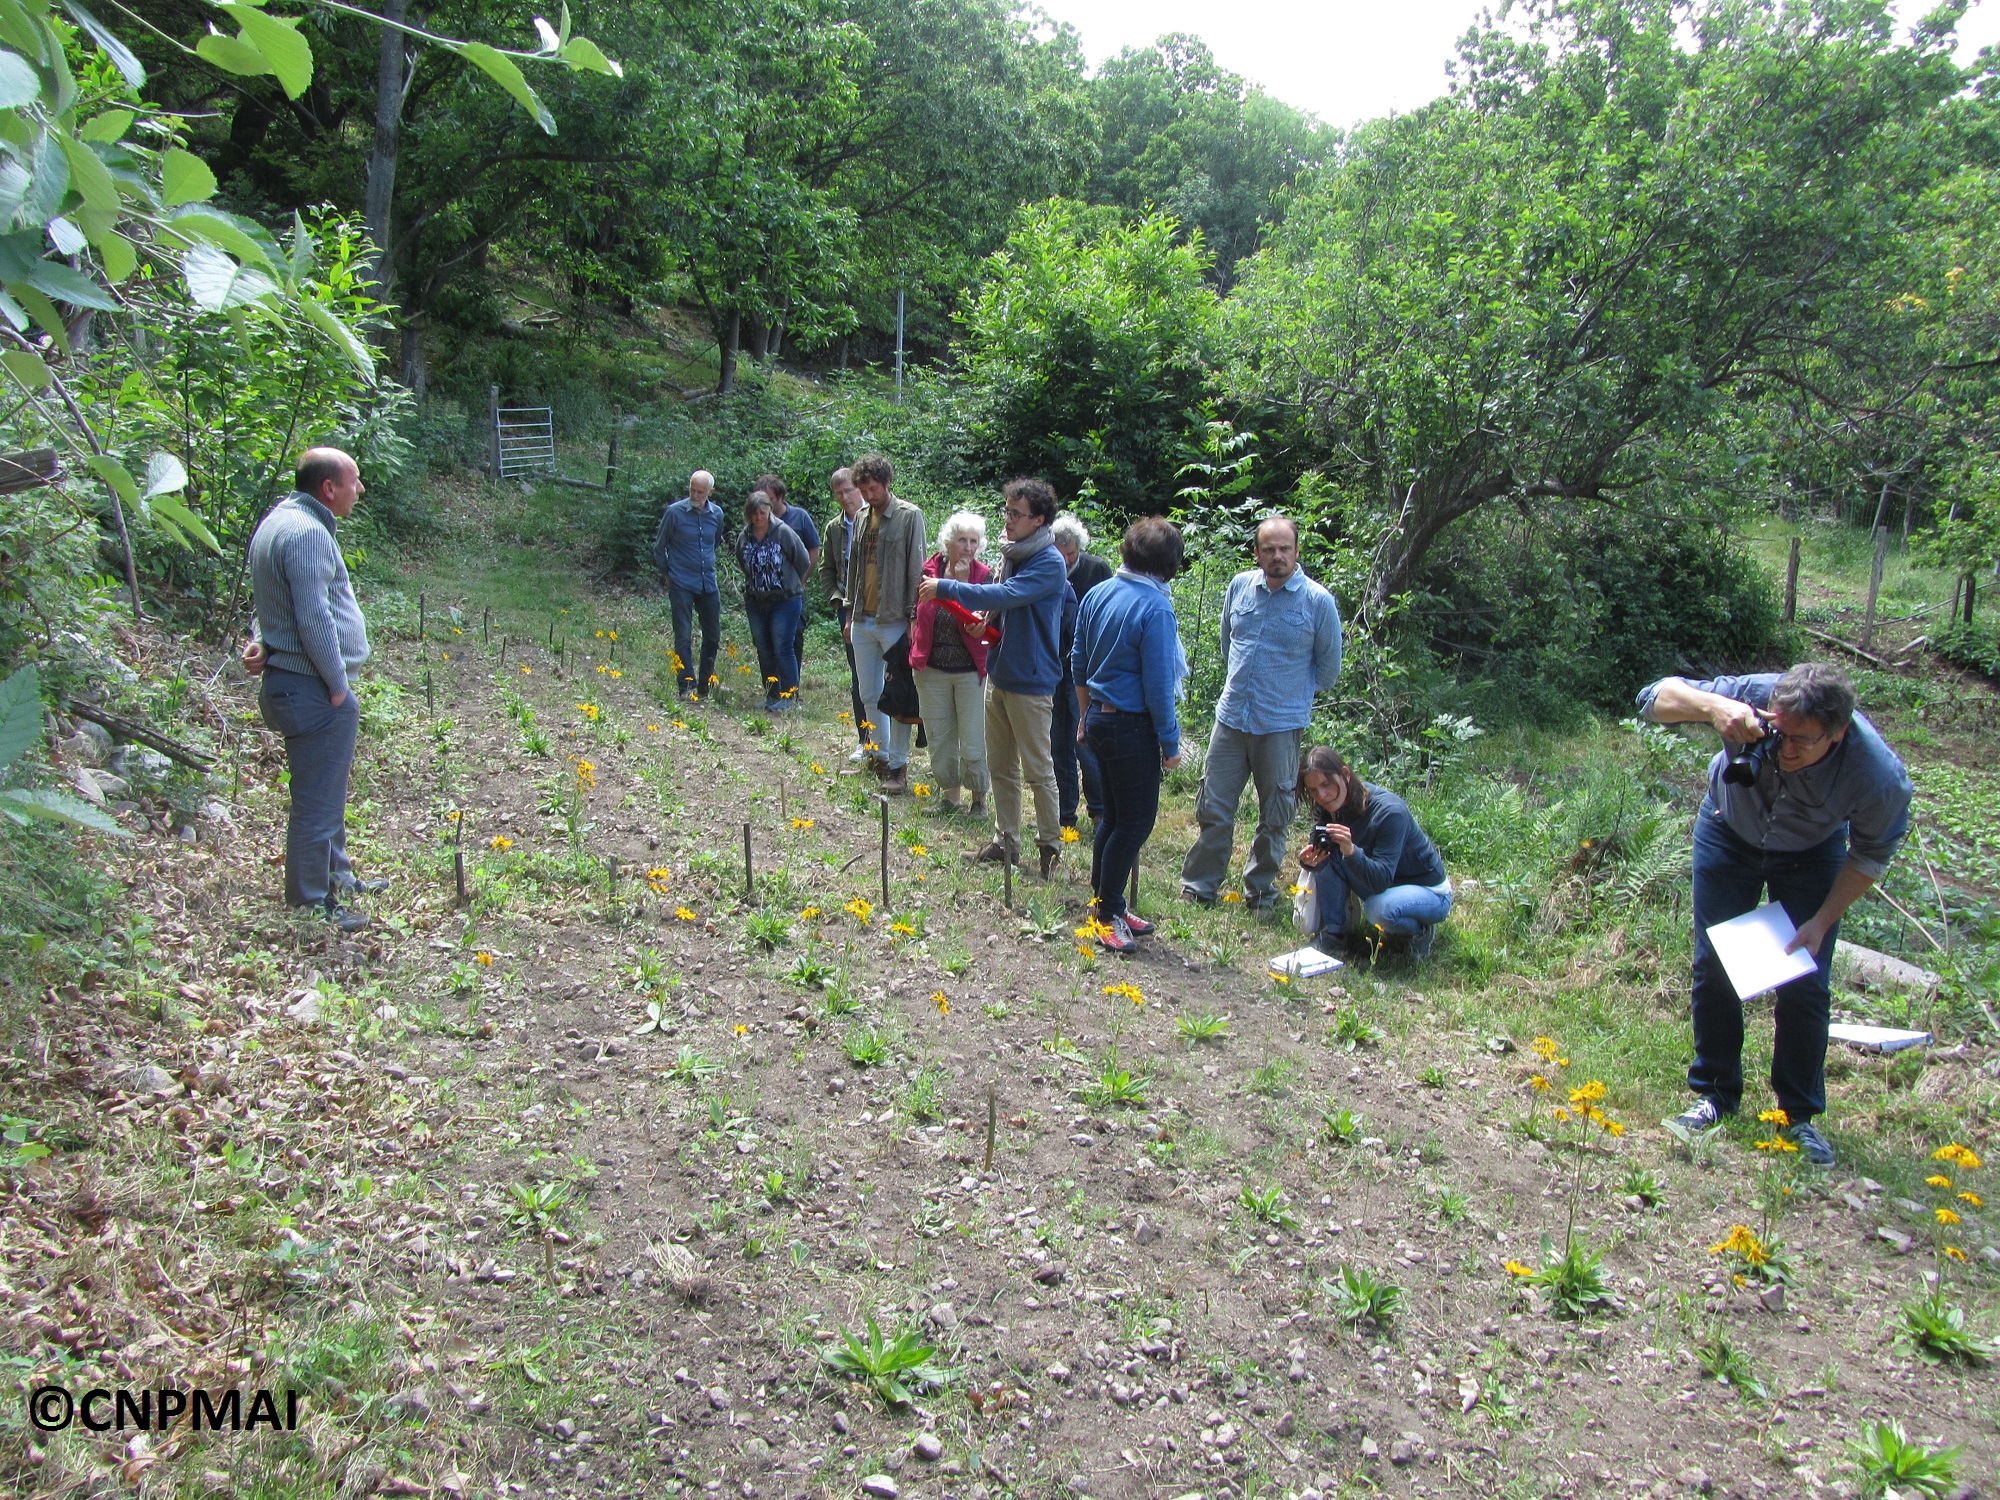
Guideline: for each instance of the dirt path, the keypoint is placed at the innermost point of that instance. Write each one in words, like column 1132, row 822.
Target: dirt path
column 507, row 1245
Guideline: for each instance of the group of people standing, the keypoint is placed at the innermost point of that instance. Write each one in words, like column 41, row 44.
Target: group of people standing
column 1055, row 677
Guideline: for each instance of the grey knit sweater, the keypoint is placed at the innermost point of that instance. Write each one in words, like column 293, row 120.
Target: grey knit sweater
column 306, row 612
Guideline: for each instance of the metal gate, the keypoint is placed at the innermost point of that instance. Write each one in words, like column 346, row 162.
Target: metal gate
column 524, row 440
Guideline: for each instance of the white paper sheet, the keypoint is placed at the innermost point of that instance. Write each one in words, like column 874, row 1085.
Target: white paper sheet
column 1305, row 963
column 1752, row 950
column 1878, row 1038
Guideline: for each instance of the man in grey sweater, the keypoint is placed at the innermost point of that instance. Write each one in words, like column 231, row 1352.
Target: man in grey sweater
column 310, row 637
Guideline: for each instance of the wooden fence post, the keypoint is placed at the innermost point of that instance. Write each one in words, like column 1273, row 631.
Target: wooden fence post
column 1792, row 584
column 611, row 458
column 1875, row 586
column 493, row 429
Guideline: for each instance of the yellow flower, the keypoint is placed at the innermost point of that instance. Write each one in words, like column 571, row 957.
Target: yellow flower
column 1741, row 1240
column 527, row 671
column 613, row 634
column 769, row 678
column 1544, row 1048
column 1613, row 1128
column 1955, row 1253
column 1561, row 1114
column 445, row 654
column 1083, row 950
column 861, row 909
column 1959, row 1154
column 678, row 723
column 943, row 1005
column 1297, row 889
column 1972, row 1198
column 501, row 842
column 818, row 769
column 1540, row 1083
column 456, row 631
column 602, row 668
column 1515, row 1268
column 675, row 658
column 1776, row 1143
column 1069, row 834
column 1124, row 991
column 600, row 635
column 845, row 717
column 1092, row 930
column 453, row 816
column 808, row 913
column 652, row 729
column 800, row 825
column 1945, row 1216
column 485, row 959
column 1775, row 1117
column 902, row 929
column 589, row 710
column 683, row 913
column 1590, row 1091
column 921, row 789
column 1232, row 897
column 616, row 673
column 740, row 1029
column 1934, row 1180
column 919, row 850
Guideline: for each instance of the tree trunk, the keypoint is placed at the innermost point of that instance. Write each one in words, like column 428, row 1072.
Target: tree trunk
column 392, row 70
column 730, row 342
column 414, row 369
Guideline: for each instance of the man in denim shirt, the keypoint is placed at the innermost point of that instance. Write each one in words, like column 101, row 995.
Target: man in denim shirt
column 1281, row 637
column 684, row 552
column 1817, row 824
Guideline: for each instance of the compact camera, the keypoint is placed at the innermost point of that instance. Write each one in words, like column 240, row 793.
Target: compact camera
column 1322, row 839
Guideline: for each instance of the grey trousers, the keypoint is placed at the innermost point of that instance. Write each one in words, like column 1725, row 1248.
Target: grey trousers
column 319, row 750
column 1233, row 759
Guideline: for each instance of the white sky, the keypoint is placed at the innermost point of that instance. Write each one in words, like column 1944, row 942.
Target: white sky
column 1343, row 60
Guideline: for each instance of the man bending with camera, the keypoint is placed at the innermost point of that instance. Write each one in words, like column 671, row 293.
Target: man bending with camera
column 1804, row 799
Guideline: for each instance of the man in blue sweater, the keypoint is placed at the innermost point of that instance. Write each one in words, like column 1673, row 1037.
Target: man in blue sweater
column 1024, row 669
column 310, row 637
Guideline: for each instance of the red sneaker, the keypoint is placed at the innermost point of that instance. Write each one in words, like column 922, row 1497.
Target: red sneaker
column 1138, row 926
column 1119, row 938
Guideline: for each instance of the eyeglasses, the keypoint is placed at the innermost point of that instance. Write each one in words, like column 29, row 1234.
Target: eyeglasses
column 1015, row 513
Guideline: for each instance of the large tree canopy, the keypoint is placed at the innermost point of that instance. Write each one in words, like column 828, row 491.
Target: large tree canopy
column 1543, row 287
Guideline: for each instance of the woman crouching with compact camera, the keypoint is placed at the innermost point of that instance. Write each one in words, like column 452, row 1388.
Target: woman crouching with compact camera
column 1365, row 844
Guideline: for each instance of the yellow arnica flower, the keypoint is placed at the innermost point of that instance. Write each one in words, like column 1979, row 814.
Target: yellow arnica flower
column 902, row 929
column 1945, row 1216
column 740, row 1029
column 527, row 671
column 809, row 913
column 1092, row 930
column 1561, row 1114
column 943, row 1005
column 921, row 789
column 1613, row 1128
column 1540, row 1083
column 1776, row 1117
column 1124, row 991
column 1776, row 1143
column 1972, row 1198
column 652, row 729
column 1515, row 1268
column 1232, row 896
column 1590, row 1091
column 860, row 909
column 485, row 959
column 1070, row 835
column 501, row 842
column 1544, row 1048
column 1935, row 1180
column 1957, row 1153
column 683, row 913
column 1955, row 1253
column 616, row 673
column 818, row 769
column 799, row 825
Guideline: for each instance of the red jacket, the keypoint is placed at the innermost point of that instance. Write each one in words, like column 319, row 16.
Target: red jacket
column 927, row 617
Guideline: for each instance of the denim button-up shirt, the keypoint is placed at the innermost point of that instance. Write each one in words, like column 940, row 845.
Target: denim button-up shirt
column 688, row 536
column 1283, row 646
column 1859, row 785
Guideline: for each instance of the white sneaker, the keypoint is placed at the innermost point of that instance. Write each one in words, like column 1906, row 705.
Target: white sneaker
column 856, row 756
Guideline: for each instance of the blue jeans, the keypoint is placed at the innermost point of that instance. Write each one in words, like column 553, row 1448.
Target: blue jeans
column 1127, row 748
column 1073, row 757
column 319, row 750
column 774, row 629
column 1399, row 911
column 1730, row 878
column 685, row 604
column 872, row 642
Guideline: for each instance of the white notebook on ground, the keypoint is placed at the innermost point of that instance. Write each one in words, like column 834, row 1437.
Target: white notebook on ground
column 1304, row 963
column 1752, row 950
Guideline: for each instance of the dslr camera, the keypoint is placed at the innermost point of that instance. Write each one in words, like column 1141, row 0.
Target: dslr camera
column 1747, row 764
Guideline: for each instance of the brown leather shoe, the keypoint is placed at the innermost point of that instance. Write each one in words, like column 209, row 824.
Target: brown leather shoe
column 896, row 782
column 1050, row 854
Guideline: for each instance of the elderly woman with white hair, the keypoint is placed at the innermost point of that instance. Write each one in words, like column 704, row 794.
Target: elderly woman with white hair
column 948, row 655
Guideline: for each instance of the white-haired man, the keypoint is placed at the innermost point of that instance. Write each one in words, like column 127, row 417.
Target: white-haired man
column 684, row 552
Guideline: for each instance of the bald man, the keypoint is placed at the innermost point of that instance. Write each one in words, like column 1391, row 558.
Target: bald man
column 311, row 637
column 684, row 552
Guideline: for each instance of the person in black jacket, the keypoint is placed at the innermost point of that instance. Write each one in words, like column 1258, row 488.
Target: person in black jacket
column 1365, row 843
column 1076, row 762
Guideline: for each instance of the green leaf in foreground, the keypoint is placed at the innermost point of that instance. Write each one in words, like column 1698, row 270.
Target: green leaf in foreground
column 891, row 1367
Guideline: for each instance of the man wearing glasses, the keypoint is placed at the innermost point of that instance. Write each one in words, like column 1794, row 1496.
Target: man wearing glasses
column 1023, row 671
column 1805, row 799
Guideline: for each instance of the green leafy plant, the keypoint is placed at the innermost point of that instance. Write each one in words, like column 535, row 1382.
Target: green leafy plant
column 1888, row 1459
column 1939, row 1330
column 1268, row 1205
column 895, row 1369
column 768, row 929
column 690, row 1065
column 810, row 969
column 1641, row 1184
column 1573, row 1277
column 1724, row 1361
column 657, row 1021
column 18, row 1143
column 1433, row 1077
column 1353, row 1031
column 1359, row 1296
column 924, row 1098
column 865, row 1047
column 1114, row 1087
column 1206, row 1027
column 20, row 730
column 1339, row 1123
column 1272, row 1078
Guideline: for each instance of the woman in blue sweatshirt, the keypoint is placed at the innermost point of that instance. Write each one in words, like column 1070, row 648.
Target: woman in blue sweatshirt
column 1128, row 665
column 1366, row 841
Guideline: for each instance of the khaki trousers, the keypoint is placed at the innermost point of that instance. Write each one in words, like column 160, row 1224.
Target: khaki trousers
column 1018, row 750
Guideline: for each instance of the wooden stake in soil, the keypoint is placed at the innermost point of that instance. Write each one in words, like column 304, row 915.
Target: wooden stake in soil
column 503, row 650
column 885, row 854
column 784, row 808
column 430, row 698
column 1875, row 586
column 1792, row 584
column 486, row 626
column 992, row 1117
column 611, row 883
column 1132, row 900
column 552, row 635
column 1007, row 881
column 749, row 880
column 458, row 858
column 421, row 616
